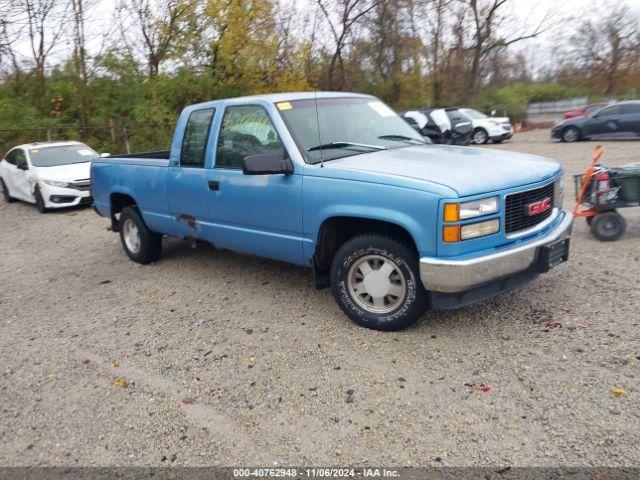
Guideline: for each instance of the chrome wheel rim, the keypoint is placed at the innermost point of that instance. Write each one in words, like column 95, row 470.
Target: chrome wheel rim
column 131, row 236
column 479, row 137
column 377, row 284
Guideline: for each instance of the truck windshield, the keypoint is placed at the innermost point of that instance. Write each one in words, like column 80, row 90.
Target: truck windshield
column 345, row 126
column 61, row 155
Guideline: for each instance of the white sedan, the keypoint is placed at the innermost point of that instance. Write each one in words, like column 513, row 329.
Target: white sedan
column 49, row 174
column 496, row 129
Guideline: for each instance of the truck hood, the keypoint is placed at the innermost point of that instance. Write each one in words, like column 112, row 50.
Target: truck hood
column 65, row 173
column 468, row 171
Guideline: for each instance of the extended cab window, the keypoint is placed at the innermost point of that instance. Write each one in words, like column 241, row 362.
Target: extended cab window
column 246, row 130
column 196, row 134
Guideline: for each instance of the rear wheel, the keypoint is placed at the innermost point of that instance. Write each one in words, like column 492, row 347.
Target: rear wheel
column 5, row 192
column 375, row 280
column 141, row 244
column 608, row 226
column 39, row 200
column 570, row 134
column 480, row 136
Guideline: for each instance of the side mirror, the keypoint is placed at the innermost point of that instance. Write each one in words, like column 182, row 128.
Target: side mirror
column 266, row 164
column 22, row 166
column 105, row 155
column 493, row 113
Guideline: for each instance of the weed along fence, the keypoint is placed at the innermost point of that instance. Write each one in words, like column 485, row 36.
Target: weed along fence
column 109, row 138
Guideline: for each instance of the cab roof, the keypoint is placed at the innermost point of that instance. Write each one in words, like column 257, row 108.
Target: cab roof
column 293, row 96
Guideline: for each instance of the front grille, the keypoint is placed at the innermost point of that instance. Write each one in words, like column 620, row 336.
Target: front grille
column 517, row 208
column 82, row 185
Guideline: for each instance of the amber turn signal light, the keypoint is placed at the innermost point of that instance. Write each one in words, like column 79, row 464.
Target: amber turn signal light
column 451, row 212
column 451, row 234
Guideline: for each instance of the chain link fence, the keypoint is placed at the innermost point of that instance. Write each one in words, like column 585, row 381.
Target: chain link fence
column 110, row 138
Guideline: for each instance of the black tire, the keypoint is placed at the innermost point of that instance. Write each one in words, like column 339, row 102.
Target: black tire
column 589, row 220
column 404, row 261
column 150, row 243
column 570, row 134
column 608, row 226
column 479, row 136
column 5, row 192
column 39, row 200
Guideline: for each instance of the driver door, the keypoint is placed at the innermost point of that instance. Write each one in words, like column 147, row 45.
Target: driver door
column 256, row 214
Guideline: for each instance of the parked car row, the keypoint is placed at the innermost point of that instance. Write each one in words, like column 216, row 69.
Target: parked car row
column 617, row 120
column 459, row 126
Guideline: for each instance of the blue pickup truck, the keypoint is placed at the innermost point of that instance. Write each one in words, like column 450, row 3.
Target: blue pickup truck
column 338, row 182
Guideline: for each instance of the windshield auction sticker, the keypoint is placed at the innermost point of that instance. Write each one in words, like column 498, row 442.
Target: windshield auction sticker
column 284, row 106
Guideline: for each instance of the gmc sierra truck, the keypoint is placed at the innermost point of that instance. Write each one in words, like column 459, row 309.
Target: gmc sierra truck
column 338, row 182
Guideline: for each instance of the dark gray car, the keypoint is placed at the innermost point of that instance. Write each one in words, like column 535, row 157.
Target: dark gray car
column 619, row 120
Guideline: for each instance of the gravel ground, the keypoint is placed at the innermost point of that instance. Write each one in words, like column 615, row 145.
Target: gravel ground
column 214, row 358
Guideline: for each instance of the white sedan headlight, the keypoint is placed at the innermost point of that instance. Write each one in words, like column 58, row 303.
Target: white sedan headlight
column 55, row 183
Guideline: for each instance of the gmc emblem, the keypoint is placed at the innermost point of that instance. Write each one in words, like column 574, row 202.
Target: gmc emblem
column 536, row 208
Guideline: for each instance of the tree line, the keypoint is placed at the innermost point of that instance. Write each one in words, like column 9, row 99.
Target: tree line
column 160, row 55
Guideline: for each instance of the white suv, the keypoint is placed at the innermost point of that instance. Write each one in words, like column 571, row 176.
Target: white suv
column 496, row 129
column 49, row 174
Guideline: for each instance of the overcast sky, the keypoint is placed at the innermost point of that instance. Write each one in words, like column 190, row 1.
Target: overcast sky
column 566, row 12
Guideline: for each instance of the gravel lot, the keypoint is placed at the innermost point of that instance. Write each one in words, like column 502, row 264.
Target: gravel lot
column 232, row 360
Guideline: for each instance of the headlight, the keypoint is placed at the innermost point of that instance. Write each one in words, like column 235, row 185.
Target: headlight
column 54, row 183
column 454, row 212
column 455, row 233
column 480, row 229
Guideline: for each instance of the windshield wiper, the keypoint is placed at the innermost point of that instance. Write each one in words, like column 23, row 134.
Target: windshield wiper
column 344, row 145
column 401, row 138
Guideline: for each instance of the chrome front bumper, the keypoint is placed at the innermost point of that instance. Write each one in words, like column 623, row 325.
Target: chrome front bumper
column 449, row 276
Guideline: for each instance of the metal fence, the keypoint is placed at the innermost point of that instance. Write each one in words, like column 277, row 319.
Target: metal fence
column 559, row 106
column 109, row 138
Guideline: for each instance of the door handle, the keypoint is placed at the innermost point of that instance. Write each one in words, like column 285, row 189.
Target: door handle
column 214, row 185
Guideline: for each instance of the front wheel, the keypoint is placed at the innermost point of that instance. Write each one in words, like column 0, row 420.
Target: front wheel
column 40, row 205
column 570, row 134
column 480, row 136
column 141, row 244
column 376, row 281
column 608, row 226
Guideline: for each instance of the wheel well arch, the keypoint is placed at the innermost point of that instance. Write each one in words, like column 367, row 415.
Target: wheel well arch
column 118, row 202
column 335, row 231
